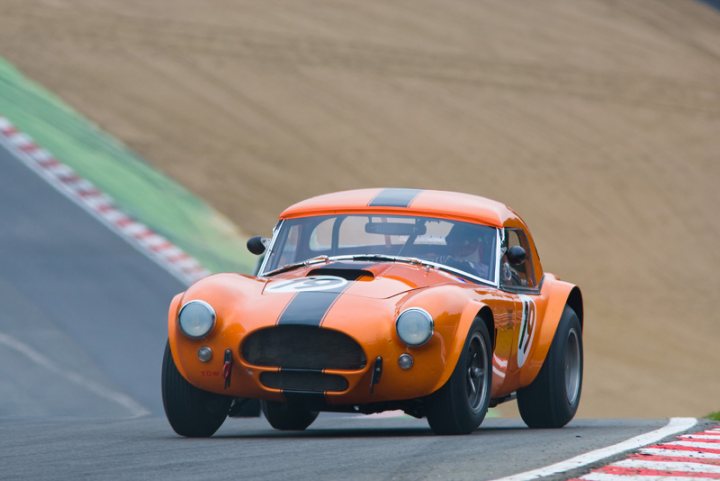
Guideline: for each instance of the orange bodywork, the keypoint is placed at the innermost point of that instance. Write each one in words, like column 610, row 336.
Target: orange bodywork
column 368, row 306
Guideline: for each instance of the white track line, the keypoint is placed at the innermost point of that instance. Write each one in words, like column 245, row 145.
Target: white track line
column 135, row 409
column 674, row 425
column 622, row 477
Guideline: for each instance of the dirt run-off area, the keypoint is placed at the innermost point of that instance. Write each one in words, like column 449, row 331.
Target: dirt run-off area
column 598, row 121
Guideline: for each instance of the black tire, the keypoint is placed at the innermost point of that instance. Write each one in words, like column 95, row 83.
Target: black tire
column 287, row 416
column 552, row 399
column 191, row 412
column 459, row 407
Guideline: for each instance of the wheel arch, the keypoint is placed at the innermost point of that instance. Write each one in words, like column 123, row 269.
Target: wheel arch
column 471, row 312
column 560, row 294
column 575, row 301
column 486, row 316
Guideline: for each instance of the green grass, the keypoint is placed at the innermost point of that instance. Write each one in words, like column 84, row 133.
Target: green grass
column 714, row 416
column 139, row 189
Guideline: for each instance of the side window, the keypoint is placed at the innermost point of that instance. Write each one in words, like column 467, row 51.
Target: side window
column 518, row 276
column 289, row 253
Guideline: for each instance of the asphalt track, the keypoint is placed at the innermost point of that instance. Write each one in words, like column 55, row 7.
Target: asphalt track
column 82, row 327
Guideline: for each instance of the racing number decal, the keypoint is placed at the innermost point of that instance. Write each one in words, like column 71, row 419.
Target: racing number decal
column 528, row 325
column 305, row 284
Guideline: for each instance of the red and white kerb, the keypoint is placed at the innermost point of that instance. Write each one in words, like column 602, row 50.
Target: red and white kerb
column 690, row 457
column 169, row 256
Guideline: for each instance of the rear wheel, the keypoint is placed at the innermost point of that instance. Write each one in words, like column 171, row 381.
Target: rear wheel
column 191, row 412
column 288, row 416
column 459, row 407
column 552, row 399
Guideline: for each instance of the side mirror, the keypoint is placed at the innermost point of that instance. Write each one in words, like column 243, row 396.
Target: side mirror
column 257, row 244
column 516, row 255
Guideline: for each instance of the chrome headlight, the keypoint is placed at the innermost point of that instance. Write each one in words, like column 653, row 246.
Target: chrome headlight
column 414, row 326
column 196, row 319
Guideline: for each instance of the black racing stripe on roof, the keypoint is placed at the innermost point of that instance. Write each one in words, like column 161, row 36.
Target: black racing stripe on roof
column 394, row 198
column 309, row 308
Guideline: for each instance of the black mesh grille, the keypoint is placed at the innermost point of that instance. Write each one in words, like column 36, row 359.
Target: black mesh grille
column 303, row 347
column 308, row 381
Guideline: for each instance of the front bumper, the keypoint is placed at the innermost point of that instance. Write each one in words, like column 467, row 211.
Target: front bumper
column 380, row 379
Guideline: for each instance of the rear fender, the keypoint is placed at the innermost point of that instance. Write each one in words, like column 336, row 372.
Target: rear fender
column 559, row 294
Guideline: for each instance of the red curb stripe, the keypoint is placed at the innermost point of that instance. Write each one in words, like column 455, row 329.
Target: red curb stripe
column 105, row 207
column 162, row 246
column 68, row 178
column 674, row 447
column 654, row 472
column 124, row 221
column 29, row 148
column 48, row 163
column 92, row 192
column 675, row 459
column 144, row 234
column 9, row 131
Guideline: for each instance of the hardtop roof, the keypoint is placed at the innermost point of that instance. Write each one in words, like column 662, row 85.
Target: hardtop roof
column 431, row 203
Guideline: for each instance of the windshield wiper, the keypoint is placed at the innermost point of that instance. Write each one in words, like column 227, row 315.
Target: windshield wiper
column 417, row 261
column 380, row 258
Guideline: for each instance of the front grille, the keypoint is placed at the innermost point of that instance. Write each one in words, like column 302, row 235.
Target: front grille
column 303, row 347
column 308, row 381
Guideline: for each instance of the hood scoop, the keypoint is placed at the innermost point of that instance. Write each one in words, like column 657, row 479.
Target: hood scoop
column 348, row 271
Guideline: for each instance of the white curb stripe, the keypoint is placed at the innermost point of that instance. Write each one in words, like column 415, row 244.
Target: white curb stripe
column 711, row 437
column 19, row 139
column 671, row 453
column 692, row 444
column 620, row 477
column 59, row 170
column 101, row 206
column 134, row 229
column 99, row 390
column 668, row 466
column 674, row 426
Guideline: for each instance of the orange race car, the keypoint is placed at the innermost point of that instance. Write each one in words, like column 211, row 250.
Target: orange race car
column 431, row 302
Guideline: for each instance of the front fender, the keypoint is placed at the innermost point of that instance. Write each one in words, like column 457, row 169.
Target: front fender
column 454, row 312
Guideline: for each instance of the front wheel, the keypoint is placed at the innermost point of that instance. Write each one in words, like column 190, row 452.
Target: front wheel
column 191, row 412
column 288, row 416
column 459, row 407
column 552, row 399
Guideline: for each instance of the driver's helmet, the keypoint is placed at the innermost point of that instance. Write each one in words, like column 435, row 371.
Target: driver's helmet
column 462, row 240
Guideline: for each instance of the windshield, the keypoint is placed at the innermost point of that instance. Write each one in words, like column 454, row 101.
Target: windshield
column 463, row 246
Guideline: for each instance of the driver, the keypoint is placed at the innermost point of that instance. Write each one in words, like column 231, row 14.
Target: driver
column 466, row 250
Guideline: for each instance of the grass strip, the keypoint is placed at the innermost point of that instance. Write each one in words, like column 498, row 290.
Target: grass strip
column 140, row 190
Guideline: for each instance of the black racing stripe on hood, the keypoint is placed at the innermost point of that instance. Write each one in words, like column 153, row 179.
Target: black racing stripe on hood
column 394, row 198
column 309, row 308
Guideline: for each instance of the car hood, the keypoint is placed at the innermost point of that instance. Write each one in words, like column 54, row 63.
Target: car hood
column 378, row 280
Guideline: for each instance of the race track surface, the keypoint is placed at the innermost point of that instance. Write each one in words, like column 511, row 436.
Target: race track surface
column 81, row 338
column 597, row 120
column 335, row 447
column 79, row 298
